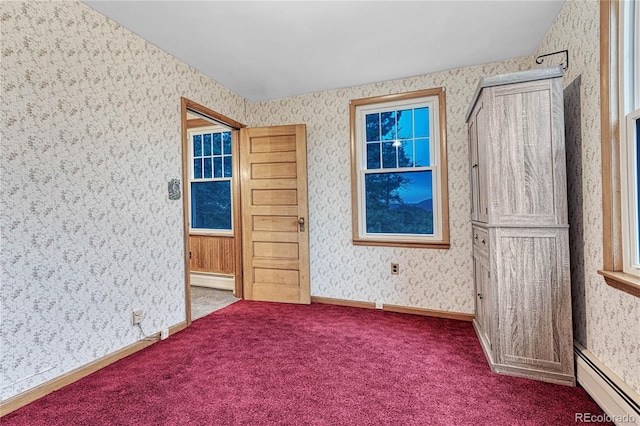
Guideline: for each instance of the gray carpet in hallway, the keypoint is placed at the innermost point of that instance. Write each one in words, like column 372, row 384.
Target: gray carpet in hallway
column 205, row 300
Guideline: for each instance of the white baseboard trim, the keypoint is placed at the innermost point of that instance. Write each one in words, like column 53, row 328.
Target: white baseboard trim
column 620, row 403
column 221, row 282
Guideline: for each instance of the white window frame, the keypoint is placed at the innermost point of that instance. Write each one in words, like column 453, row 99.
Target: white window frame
column 434, row 100
column 629, row 112
column 190, row 134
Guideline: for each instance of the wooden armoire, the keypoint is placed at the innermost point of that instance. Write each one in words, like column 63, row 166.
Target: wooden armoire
column 520, row 225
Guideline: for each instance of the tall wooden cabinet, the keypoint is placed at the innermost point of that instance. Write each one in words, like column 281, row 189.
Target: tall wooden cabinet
column 520, row 225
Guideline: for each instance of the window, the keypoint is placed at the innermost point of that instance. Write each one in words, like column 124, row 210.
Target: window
column 399, row 170
column 619, row 96
column 630, row 136
column 210, row 180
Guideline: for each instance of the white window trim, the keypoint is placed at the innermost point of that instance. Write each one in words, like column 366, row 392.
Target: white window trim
column 629, row 111
column 436, row 101
column 434, row 154
column 200, row 231
column 629, row 173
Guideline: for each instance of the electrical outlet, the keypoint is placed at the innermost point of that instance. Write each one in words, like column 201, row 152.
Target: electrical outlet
column 395, row 269
column 137, row 316
column 164, row 334
column 378, row 304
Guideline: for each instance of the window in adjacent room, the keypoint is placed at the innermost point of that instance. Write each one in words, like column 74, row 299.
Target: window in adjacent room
column 630, row 136
column 210, row 181
column 399, row 170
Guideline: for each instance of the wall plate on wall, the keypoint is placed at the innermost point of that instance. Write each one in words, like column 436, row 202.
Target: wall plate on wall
column 174, row 189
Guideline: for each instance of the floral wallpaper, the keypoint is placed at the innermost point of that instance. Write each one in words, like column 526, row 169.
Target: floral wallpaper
column 606, row 320
column 429, row 278
column 90, row 137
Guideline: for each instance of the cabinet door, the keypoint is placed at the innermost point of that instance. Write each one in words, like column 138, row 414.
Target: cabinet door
column 527, row 155
column 533, row 295
column 483, row 297
column 473, row 166
column 482, row 141
column 486, row 299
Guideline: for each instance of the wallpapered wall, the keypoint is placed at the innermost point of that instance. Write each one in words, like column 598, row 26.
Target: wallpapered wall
column 429, row 278
column 91, row 135
column 90, row 138
column 606, row 320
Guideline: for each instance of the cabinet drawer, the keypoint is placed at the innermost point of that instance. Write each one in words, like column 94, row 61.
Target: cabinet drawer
column 481, row 239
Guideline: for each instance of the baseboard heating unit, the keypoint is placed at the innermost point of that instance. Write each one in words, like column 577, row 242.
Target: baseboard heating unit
column 620, row 403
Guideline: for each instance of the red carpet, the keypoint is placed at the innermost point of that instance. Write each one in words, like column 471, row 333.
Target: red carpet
column 264, row 363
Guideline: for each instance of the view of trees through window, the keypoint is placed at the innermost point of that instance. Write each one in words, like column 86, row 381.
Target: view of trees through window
column 211, row 205
column 398, row 189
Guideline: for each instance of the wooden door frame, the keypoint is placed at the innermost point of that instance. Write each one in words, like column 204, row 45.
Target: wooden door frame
column 186, row 104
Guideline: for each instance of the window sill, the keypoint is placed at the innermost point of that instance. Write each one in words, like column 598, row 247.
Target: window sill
column 622, row 281
column 228, row 234
column 383, row 243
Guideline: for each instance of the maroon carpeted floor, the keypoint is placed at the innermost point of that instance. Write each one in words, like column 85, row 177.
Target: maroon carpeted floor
column 264, row 363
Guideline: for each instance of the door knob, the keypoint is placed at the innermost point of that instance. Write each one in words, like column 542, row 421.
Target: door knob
column 301, row 224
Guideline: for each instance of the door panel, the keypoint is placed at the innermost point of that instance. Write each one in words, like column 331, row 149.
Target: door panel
column 281, row 237
column 284, row 143
column 274, row 197
column 275, row 250
column 275, row 223
column 274, row 170
column 276, row 276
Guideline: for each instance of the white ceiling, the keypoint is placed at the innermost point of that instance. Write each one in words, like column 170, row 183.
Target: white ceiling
column 265, row 50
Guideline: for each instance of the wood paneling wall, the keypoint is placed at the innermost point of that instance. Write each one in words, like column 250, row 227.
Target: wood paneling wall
column 212, row 254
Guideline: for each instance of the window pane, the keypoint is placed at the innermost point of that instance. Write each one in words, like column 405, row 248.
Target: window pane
column 373, row 127
column 211, row 205
column 226, row 142
column 197, row 168
column 197, row 146
column 405, row 124
column 373, row 156
column 399, row 203
column 423, row 157
column 405, row 154
column 217, row 144
column 389, row 156
column 207, row 168
column 421, row 117
column 207, row 144
column 228, row 167
column 388, row 126
column 217, row 167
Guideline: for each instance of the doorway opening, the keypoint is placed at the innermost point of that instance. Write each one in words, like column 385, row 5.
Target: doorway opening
column 211, row 201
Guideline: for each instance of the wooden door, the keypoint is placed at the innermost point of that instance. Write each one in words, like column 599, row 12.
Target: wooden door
column 275, row 239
